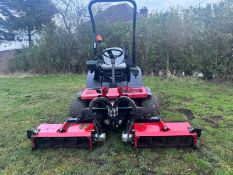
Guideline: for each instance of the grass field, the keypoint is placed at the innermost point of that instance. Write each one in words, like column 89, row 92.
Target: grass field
column 27, row 101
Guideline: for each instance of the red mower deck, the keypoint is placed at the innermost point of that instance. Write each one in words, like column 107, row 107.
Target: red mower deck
column 48, row 135
column 151, row 135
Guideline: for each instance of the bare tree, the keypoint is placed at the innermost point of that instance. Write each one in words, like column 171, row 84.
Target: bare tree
column 72, row 13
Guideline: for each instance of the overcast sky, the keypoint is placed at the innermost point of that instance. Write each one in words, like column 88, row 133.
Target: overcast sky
column 160, row 5
column 165, row 4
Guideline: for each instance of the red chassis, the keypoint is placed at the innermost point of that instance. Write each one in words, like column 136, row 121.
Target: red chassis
column 114, row 93
column 147, row 133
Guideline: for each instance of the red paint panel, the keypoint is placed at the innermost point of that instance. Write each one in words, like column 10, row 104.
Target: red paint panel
column 114, row 93
column 153, row 129
column 89, row 94
column 74, row 130
column 137, row 92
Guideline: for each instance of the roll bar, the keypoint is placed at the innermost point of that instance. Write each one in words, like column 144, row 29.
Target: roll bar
column 134, row 24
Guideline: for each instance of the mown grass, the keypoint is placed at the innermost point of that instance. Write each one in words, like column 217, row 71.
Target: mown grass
column 26, row 102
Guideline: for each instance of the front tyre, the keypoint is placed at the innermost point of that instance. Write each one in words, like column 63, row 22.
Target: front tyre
column 77, row 105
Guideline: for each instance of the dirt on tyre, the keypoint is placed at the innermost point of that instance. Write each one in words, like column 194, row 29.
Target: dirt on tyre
column 77, row 105
column 151, row 106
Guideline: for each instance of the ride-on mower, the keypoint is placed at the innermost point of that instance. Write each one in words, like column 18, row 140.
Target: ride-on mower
column 114, row 97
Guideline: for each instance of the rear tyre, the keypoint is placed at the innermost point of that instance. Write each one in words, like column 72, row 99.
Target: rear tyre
column 76, row 107
column 151, row 106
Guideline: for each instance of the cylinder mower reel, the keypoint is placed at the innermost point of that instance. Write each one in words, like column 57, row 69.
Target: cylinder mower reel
column 114, row 98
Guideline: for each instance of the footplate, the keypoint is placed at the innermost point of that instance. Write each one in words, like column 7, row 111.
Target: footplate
column 179, row 134
column 50, row 135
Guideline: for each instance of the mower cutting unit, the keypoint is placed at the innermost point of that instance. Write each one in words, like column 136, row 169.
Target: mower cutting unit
column 114, row 98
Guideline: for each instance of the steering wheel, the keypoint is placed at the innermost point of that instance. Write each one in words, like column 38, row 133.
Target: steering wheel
column 110, row 53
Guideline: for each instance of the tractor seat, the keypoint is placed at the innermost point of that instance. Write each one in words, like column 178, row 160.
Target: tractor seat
column 119, row 62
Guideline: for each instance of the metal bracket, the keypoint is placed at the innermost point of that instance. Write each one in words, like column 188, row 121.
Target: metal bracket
column 32, row 132
column 195, row 130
